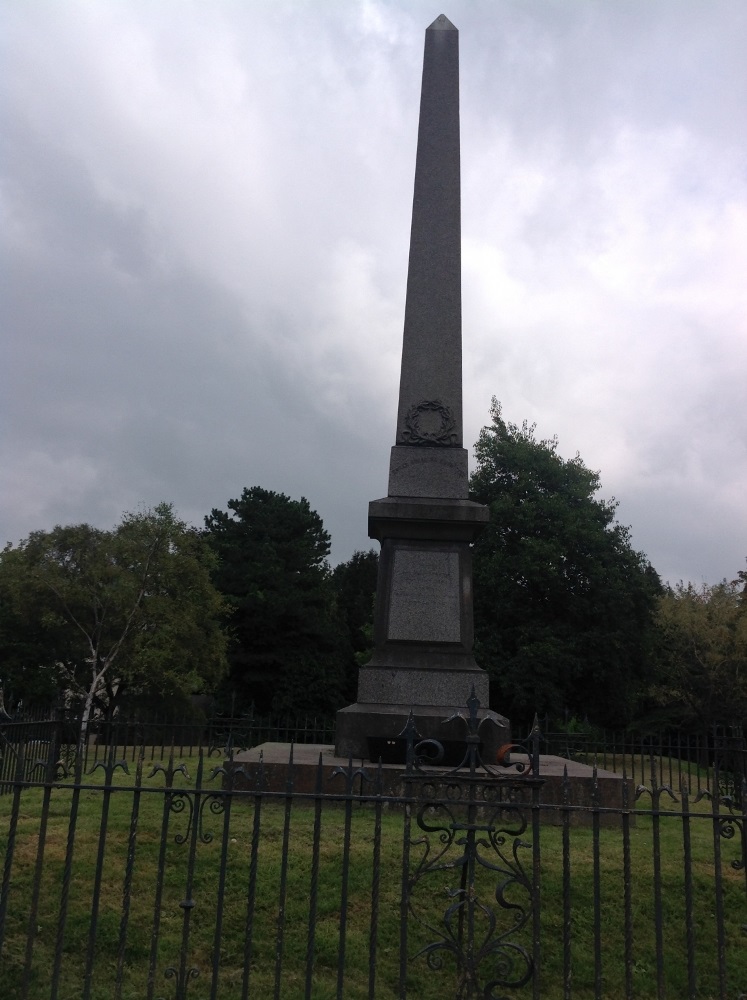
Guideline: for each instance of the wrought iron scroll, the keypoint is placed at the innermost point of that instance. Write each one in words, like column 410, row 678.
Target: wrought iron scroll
column 195, row 803
column 733, row 824
column 230, row 738
column 472, row 824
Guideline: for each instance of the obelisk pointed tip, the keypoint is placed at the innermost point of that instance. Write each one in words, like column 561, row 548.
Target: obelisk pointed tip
column 442, row 23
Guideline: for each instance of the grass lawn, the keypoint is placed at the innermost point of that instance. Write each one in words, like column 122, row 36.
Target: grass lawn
column 261, row 877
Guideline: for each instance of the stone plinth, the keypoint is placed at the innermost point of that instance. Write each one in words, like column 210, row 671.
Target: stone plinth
column 427, row 472
column 572, row 798
column 423, row 627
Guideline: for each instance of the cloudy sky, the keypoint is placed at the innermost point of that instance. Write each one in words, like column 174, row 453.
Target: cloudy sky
column 205, row 223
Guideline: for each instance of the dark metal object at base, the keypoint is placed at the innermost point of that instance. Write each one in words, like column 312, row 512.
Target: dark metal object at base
column 358, row 725
column 394, row 751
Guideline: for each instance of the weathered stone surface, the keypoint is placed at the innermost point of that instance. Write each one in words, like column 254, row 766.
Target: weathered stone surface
column 423, row 625
column 424, row 605
column 419, row 518
column 413, row 687
column 428, row 472
column 601, row 800
column 432, row 340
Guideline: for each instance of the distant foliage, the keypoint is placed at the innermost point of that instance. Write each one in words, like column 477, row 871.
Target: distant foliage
column 290, row 650
column 355, row 586
column 564, row 607
column 702, row 676
column 90, row 616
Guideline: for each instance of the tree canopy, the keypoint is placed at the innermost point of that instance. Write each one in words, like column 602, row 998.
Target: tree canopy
column 564, row 606
column 355, row 586
column 103, row 614
column 702, row 671
column 290, row 647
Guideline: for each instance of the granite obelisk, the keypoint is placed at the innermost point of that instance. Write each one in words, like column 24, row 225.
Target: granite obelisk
column 423, row 629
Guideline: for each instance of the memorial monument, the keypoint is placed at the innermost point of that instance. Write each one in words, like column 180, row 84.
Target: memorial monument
column 423, row 628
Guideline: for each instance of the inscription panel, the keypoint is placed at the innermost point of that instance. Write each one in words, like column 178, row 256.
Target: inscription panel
column 425, row 601
column 428, row 472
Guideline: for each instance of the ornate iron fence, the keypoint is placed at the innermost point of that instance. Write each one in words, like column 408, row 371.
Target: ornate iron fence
column 128, row 874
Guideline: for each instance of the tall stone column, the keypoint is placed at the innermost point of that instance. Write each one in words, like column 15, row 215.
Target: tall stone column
column 423, row 629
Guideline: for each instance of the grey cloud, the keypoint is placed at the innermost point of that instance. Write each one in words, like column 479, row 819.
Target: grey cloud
column 207, row 223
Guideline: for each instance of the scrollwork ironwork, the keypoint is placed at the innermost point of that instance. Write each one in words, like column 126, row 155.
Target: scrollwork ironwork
column 109, row 766
column 731, row 824
column 181, row 980
column 470, row 823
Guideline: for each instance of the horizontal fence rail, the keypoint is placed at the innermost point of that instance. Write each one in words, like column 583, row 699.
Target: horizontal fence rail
column 218, row 736
column 191, row 871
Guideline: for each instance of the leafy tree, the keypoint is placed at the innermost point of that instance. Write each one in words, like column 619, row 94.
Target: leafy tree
column 355, row 587
column 29, row 652
column 563, row 605
column 106, row 613
column 289, row 649
column 703, row 661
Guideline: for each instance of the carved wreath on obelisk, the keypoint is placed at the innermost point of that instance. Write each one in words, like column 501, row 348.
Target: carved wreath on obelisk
column 429, row 422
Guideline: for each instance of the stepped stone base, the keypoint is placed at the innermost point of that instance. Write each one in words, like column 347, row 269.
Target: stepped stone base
column 309, row 758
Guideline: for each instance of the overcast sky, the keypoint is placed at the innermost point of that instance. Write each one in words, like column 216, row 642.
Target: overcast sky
column 205, row 224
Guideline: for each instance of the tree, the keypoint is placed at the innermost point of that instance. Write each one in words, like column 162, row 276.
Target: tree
column 130, row 610
column 703, row 658
column 355, row 587
column 563, row 605
column 29, row 651
column 289, row 649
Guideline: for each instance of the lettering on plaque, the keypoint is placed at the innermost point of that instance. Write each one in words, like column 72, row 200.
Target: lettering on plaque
column 424, row 601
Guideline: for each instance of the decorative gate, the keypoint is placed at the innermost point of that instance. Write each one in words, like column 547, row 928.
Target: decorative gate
column 472, row 832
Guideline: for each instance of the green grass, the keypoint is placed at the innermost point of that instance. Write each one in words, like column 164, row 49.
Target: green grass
column 430, row 901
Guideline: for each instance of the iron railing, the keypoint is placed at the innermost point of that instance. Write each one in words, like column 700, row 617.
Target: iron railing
column 155, row 738
column 128, row 873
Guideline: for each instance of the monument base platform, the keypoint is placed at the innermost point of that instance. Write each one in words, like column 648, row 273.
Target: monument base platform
column 567, row 789
column 369, row 731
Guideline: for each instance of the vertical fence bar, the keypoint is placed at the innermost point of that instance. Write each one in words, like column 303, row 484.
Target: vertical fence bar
column 314, row 886
column 50, row 769
column 688, row 862
column 658, row 915
column 662, row 764
column 627, row 888
column 536, row 866
column 251, row 893
column 375, row 886
column 280, row 936
column 109, row 769
column 744, row 835
column 718, row 888
column 468, row 882
column 168, row 772
column 184, row 974
column 10, row 847
column 405, row 892
column 349, row 787
column 68, row 866
column 679, row 761
column 597, row 888
column 566, row 814
column 224, row 799
column 128, row 875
